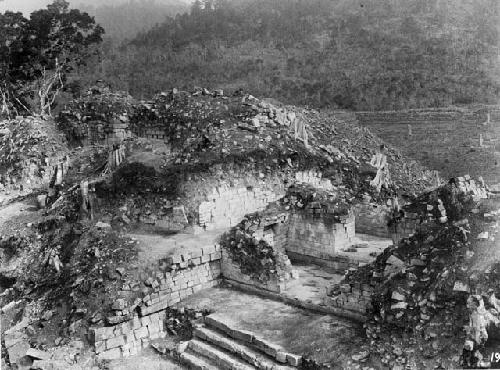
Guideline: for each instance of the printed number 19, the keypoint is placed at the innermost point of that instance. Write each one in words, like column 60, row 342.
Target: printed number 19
column 495, row 357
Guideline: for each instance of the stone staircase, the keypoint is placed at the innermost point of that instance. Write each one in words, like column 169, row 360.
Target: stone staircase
column 215, row 345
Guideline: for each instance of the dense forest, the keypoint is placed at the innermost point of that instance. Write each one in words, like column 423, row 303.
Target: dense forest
column 126, row 18
column 356, row 54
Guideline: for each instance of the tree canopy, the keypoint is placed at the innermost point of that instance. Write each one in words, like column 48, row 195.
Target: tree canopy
column 37, row 53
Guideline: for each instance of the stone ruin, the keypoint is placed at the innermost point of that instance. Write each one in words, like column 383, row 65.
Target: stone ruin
column 262, row 230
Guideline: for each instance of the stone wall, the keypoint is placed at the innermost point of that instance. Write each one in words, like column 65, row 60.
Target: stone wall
column 313, row 178
column 150, row 131
column 227, row 205
column 110, row 132
column 320, row 235
column 167, row 289
column 96, row 132
column 100, row 132
column 371, row 219
column 173, row 279
column 137, row 313
column 128, row 338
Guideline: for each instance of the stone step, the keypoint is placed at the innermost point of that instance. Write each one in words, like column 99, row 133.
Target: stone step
column 274, row 351
column 244, row 351
column 193, row 362
column 224, row 360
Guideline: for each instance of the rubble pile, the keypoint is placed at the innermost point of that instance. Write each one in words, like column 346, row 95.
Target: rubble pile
column 179, row 321
column 209, row 128
column 317, row 202
column 71, row 356
column 421, row 285
column 12, row 247
column 62, row 262
column 30, row 149
column 100, row 116
column 256, row 258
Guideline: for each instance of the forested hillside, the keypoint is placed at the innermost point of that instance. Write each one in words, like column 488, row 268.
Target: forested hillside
column 354, row 54
column 124, row 19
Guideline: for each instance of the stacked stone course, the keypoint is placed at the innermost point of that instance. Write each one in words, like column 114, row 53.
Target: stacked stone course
column 128, row 338
column 226, row 206
column 318, row 237
column 175, row 278
column 313, row 178
column 150, row 130
column 138, row 315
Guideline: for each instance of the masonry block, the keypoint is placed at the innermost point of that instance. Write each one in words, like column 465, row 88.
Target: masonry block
column 112, row 354
column 115, row 342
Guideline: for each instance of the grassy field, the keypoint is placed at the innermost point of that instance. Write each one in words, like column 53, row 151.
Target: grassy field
column 451, row 147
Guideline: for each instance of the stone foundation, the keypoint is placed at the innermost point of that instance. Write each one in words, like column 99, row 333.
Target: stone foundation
column 319, row 236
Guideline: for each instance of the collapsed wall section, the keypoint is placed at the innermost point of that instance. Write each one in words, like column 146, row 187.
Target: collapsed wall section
column 432, row 225
column 138, row 312
column 128, row 338
column 253, row 253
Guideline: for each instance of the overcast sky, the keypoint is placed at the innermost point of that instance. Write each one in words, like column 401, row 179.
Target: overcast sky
column 27, row 6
